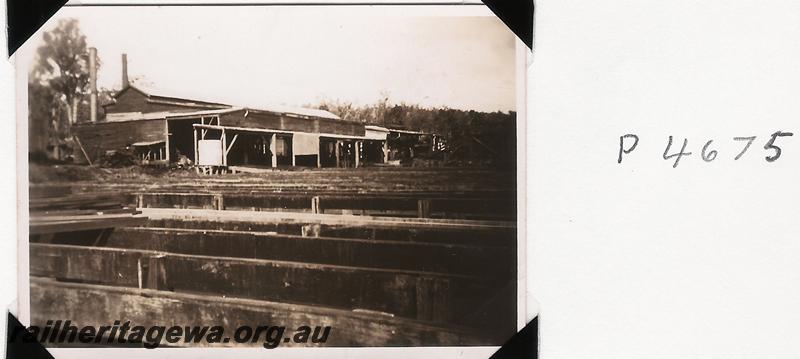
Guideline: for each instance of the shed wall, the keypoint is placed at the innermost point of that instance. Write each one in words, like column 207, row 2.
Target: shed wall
column 103, row 136
column 277, row 122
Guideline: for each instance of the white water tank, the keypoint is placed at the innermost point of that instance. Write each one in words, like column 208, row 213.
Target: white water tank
column 209, row 152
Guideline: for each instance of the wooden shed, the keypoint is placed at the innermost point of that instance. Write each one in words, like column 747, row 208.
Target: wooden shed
column 165, row 128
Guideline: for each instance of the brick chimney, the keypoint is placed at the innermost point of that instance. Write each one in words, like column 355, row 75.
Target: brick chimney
column 125, row 82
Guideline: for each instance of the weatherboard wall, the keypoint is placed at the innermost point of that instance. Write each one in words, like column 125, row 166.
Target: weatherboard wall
column 104, row 136
column 273, row 121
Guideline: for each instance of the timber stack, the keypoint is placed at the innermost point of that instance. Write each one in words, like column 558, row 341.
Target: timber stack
column 432, row 265
column 54, row 213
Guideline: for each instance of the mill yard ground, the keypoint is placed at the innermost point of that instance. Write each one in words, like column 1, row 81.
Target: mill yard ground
column 387, row 256
column 368, row 179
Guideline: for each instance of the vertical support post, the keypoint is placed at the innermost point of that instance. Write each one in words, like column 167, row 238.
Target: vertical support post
column 319, row 152
column 224, row 148
column 337, row 152
column 291, row 151
column 219, row 202
column 315, row 205
column 141, row 272
column 156, row 273
column 424, row 208
column 385, row 151
column 272, row 148
column 166, row 141
column 194, row 134
column 92, row 84
column 357, row 145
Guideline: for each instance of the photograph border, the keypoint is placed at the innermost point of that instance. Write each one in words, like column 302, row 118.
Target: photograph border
column 526, row 307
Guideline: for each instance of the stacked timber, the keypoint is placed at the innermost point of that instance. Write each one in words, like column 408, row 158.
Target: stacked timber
column 67, row 212
column 478, row 206
column 342, row 181
column 384, row 257
column 376, row 281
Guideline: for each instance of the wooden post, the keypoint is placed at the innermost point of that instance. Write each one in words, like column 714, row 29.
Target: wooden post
column 319, row 152
column 166, row 141
column 385, row 151
column 224, row 148
column 424, row 208
column 219, row 202
column 357, row 145
column 272, row 148
column 141, row 270
column 315, row 205
column 337, row 152
column 194, row 135
column 156, row 273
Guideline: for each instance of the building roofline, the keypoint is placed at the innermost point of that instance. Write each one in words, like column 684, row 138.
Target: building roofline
column 153, row 97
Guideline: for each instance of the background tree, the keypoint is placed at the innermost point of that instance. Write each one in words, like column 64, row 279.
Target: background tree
column 472, row 137
column 44, row 110
column 58, row 83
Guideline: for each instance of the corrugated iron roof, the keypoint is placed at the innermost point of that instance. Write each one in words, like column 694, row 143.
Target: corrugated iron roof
column 376, row 128
column 310, row 112
column 204, row 112
column 133, row 116
column 147, row 143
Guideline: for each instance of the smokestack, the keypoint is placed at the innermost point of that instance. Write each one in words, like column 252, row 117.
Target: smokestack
column 93, row 84
column 125, row 82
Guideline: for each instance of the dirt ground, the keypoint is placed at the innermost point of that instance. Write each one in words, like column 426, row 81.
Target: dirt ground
column 39, row 173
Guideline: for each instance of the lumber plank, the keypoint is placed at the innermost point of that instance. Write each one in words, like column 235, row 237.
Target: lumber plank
column 411, row 294
column 496, row 262
column 84, row 225
column 161, row 213
column 505, row 237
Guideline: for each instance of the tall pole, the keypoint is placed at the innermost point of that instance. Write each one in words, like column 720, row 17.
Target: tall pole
column 93, row 84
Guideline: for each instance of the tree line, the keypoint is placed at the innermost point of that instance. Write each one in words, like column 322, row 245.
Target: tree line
column 471, row 136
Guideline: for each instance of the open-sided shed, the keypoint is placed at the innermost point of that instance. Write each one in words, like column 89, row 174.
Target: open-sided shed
column 163, row 129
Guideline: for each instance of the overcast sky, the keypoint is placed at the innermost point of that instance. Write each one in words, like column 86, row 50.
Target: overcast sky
column 289, row 56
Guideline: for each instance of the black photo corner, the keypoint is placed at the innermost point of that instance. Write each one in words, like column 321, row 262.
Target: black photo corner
column 24, row 17
column 524, row 344
column 18, row 345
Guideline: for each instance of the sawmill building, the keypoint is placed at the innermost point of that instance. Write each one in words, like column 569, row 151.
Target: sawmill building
column 164, row 128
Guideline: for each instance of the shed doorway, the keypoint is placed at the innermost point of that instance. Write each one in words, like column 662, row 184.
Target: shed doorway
column 181, row 139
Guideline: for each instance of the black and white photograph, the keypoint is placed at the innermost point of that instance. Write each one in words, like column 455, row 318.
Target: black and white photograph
column 274, row 176
column 400, row 179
